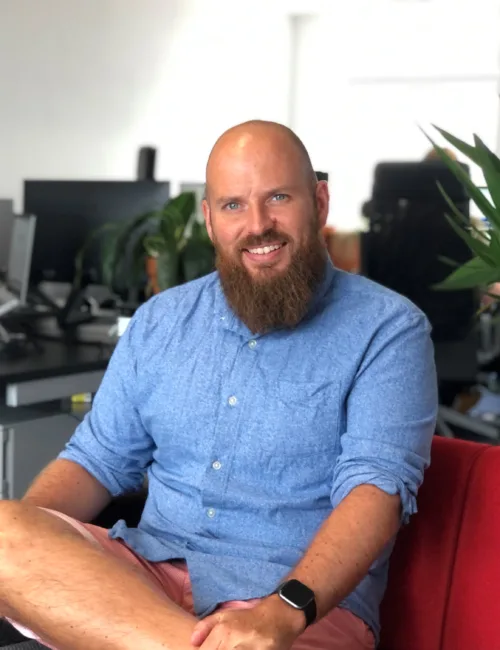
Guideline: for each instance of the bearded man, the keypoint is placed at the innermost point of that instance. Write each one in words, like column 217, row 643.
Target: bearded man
column 283, row 412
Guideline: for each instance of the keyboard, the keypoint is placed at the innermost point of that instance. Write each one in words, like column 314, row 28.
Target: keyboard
column 8, row 301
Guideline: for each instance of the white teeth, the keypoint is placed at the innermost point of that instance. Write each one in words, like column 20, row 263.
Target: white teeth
column 265, row 250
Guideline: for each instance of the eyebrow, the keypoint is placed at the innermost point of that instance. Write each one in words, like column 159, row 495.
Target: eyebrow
column 284, row 189
column 222, row 200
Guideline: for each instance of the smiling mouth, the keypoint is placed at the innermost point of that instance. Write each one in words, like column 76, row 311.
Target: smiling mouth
column 264, row 250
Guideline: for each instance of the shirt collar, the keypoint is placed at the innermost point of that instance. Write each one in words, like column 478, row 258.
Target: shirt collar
column 228, row 319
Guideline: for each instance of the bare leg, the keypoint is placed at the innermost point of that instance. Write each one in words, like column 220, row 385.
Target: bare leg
column 76, row 596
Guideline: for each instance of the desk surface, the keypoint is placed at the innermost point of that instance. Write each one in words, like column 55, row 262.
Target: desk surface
column 55, row 359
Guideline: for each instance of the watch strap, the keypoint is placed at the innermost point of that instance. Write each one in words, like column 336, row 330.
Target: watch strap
column 310, row 612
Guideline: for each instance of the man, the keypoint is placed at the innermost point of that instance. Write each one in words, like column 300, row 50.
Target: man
column 283, row 412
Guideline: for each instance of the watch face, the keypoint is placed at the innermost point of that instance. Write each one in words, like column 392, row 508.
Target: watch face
column 297, row 594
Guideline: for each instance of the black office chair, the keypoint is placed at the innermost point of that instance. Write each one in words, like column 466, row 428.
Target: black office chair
column 407, row 235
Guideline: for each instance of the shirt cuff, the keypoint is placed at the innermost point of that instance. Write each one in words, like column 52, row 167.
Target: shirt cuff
column 383, row 480
column 106, row 478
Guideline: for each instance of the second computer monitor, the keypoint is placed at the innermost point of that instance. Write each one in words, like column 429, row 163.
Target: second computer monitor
column 6, row 218
column 20, row 254
column 69, row 211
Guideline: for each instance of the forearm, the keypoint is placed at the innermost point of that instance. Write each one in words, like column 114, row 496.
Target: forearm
column 67, row 487
column 347, row 544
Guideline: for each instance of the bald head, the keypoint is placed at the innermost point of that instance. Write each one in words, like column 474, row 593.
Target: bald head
column 249, row 145
column 264, row 212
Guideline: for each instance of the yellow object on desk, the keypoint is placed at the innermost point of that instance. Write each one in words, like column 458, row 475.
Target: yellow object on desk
column 81, row 398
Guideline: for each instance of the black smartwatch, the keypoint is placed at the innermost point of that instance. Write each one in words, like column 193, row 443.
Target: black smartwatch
column 297, row 595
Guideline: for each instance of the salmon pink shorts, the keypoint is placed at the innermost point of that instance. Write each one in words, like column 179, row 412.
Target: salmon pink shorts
column 339, row 630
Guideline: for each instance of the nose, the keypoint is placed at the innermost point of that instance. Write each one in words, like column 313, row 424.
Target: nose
column 259, row 219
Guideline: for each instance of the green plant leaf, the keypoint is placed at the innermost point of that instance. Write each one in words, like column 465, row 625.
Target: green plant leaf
column 139, row 259
column 467, row 149
column 198, row 259
column 155, row 245
column 171, row 220
column 168, row 269
column 117, row 251
column 108, row 245
column 494, row 244
column 121, row 240
column 477, row 247
column 130, row 272
column 175, row 218
column 80, row 256
column 199, row 233
column 474, row 192
column 478, row 157
column 461, row 218
column 185, row 203
column 490, row 165
column 472, row 274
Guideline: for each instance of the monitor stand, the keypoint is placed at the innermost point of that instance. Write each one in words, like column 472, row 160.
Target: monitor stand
column 75, row 310
column 37, row 296
column 16, row 345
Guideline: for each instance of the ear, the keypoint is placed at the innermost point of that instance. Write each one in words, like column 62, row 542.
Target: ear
column 322, row 202
column 208, row 220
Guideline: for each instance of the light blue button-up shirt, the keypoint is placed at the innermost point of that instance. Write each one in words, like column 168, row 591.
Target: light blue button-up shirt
column 249, row 442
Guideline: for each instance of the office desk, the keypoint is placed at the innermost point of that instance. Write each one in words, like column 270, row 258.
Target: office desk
column 32, row 431
column 59, row 370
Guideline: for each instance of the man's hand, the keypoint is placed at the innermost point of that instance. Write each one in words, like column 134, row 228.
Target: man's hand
column 270, row 625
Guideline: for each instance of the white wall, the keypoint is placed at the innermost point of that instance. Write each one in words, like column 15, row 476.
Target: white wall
column 368, row 73
column 84, row 84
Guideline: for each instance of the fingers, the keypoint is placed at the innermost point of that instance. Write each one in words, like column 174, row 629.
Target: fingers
column 214, row 641
column 203, row 629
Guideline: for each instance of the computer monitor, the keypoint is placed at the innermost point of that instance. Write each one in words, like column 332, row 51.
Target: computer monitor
column 14, row 293
column 6, row 217
column 69, row 211
column 21, row 248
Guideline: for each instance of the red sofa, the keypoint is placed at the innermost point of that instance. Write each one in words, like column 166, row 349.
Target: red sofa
column 444, row 575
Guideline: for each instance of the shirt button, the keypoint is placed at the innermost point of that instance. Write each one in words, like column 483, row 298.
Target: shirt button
column 252, row 344
column 232, row 400
column 216, row 464
column 211, row 513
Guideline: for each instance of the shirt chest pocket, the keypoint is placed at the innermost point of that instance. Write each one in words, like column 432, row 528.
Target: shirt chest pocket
column 299, row 418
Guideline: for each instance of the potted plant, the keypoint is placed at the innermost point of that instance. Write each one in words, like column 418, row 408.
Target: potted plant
column 484, row 268
column 169, row 244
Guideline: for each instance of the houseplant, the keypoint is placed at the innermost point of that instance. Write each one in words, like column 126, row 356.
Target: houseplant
column 170, row 244
column 484, row 268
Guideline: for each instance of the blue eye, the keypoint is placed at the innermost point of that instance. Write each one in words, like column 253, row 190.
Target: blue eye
column 232, row 206
column 279, row 197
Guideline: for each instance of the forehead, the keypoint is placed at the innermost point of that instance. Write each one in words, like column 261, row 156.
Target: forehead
column 252, row 164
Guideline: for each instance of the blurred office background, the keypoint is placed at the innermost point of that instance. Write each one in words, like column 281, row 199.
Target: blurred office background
column 86, row 85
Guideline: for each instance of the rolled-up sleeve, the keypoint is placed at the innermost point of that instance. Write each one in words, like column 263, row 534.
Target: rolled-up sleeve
column 391, row 414
column 111, row 443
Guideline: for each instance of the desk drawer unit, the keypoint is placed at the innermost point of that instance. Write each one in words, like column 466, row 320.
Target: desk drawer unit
column 26, row 447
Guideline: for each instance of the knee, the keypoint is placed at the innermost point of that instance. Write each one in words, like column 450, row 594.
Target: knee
column 16, row 523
